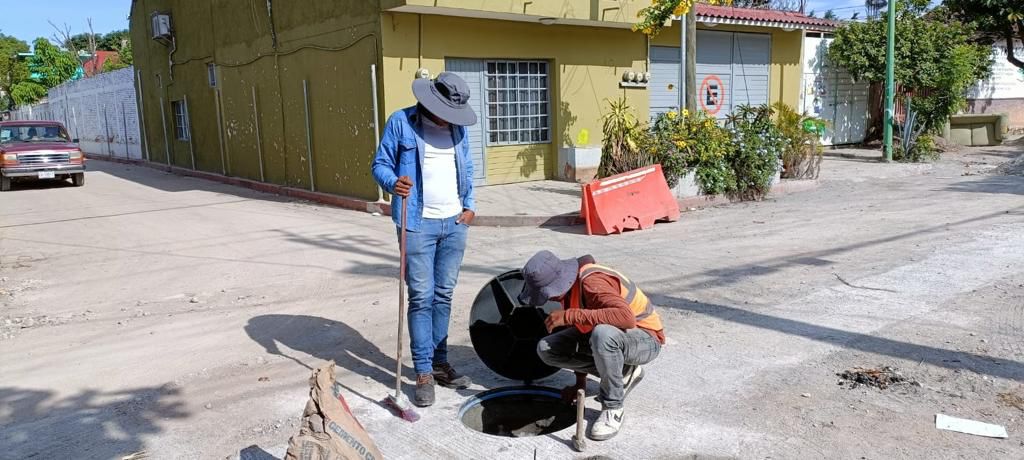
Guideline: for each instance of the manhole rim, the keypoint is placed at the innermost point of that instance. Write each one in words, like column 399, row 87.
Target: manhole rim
column 487, row 395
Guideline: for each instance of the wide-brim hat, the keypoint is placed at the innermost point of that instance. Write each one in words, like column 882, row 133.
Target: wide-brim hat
column 447, row 97
column 546, row 277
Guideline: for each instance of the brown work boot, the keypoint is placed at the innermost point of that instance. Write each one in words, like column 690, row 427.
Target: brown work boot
column 424, row 390
column 448, row 377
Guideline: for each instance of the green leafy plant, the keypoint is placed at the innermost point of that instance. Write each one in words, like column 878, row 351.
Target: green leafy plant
column 802, row 155
column 654, row 17
column 624, row 147
column 53, row 65
column 693, row 141
column 913, row 147
column 13, row 70
column 757, row 150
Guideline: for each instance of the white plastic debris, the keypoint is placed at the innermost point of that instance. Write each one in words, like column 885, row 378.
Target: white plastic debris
column 962, row 425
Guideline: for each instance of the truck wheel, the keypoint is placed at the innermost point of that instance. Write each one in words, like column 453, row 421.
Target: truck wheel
column 5, row 183
column 78, row 179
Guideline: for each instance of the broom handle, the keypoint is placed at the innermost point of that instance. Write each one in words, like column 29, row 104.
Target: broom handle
column 401, row 299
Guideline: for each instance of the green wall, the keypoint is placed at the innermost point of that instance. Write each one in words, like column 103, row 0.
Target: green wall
column 329, row 45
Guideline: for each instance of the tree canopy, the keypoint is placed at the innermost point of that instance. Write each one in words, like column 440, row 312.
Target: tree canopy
column 997, row 20
column 12, row 69
column 937, row 58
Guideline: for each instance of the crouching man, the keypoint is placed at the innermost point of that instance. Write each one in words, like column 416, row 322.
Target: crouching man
column 613, row 329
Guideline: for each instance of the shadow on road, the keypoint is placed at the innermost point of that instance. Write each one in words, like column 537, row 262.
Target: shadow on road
column 170, row 182
column 1010, row 185
column 90, row 424
column 980, row 364
column 326, row 340
column 818, row 258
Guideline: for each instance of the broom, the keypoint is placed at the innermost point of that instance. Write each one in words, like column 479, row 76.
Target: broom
column 398, row 402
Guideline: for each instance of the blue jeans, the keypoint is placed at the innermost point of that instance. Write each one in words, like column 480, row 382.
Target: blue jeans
column 433, row 257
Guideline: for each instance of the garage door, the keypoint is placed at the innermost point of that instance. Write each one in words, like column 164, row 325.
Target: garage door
column 472, row 71
column 732, row 69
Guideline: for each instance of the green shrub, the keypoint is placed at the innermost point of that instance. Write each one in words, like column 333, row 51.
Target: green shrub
column 757, row 152
column 801, row 158
column 693, row 141
column 624, row 147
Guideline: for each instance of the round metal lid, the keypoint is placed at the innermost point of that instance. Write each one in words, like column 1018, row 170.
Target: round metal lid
column 505, row 333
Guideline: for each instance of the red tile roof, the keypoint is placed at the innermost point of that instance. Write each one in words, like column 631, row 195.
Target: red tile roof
column 755, row 16
column 95, row 65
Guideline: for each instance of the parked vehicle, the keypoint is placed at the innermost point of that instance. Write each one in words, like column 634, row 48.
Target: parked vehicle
column 39, row 150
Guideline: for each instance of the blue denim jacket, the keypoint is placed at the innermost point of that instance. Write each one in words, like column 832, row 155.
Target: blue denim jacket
column 400, row 153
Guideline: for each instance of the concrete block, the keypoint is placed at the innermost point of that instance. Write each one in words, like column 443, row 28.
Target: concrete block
column 578, row 164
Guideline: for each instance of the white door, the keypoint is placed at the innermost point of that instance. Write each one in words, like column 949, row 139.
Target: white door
column 472, row 70
column 831, row 94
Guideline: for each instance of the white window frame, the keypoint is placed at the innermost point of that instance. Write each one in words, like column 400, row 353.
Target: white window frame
column 511, row 120
column 182, row 129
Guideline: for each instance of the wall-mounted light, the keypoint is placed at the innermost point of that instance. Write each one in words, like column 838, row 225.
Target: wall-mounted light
column 547, row 21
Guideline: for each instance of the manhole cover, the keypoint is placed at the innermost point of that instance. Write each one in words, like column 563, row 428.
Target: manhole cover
column 518, row 412
column 505, row 333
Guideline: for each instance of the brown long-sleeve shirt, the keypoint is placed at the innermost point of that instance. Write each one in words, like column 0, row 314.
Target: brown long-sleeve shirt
column 603, row 304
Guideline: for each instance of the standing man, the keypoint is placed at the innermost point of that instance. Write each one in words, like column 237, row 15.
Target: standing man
column 424, row 158
column 613, row 329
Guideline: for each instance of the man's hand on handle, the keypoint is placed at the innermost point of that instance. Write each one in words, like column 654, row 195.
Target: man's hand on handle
column 403, row 187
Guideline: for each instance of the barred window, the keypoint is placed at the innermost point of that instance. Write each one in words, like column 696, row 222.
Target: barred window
column 181, row 128
column 517, row 102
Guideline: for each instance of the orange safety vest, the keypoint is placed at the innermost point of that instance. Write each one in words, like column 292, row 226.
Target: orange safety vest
column 646, row 317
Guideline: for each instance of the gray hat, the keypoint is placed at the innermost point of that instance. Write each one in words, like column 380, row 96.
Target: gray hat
column 546, row 277
column 447, row 97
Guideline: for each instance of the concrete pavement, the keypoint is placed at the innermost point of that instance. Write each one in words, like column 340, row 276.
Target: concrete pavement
column 172, row 315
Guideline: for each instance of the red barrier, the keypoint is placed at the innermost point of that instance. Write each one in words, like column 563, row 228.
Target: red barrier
column 628, row 201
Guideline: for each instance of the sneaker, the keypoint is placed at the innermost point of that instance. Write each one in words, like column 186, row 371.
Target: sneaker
column 607, row 425
column 424, row 390
column 631, row 378
column 448, row 377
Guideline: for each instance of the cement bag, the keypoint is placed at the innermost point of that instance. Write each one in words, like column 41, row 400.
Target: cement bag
column 329, row 430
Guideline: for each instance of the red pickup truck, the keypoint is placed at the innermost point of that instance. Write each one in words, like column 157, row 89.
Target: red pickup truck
column 39, row 150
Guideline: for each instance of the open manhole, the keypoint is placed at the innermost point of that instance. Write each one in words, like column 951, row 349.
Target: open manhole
column 505, row 335
column 518, row 412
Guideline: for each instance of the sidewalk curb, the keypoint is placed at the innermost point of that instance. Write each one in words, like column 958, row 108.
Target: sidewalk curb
column 339, row 201
column 355, row 204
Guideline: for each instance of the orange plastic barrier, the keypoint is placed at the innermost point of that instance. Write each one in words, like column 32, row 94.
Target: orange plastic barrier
column 628, row 201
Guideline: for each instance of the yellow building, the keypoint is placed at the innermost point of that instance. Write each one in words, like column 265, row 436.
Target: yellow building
column 283, row 93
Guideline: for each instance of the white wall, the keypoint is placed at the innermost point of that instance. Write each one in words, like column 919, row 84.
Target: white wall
column 100, row 111
column 1006, row 82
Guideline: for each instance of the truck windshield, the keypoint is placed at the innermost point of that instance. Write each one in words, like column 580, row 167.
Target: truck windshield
column 32, row 133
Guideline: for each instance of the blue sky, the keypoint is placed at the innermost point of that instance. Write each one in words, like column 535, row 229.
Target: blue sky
column 108, row 15
column 26, row 19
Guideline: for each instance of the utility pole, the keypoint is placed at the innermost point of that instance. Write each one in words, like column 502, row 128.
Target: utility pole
column 890, row 90
column 682, row 63
column 691, row 59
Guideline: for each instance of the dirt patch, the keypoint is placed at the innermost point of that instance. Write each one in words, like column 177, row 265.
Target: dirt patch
column 1012, row 399
column 1012, row 168
column 881, row 378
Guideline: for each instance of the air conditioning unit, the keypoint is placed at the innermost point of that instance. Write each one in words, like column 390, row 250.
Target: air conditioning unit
column 161, row 26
